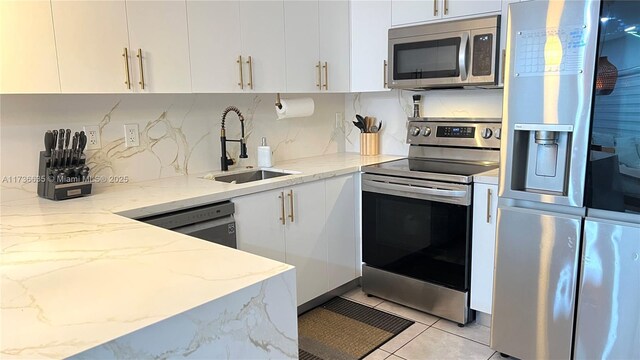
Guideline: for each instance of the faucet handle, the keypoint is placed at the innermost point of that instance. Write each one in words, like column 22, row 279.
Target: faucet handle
column 243, row 149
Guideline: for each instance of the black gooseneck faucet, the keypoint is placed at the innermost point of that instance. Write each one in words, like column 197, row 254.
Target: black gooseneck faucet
column 224, row 161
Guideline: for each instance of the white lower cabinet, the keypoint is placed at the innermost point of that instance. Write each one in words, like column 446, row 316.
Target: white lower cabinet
column 341, row 228
column 311, row 226
column 485, row 209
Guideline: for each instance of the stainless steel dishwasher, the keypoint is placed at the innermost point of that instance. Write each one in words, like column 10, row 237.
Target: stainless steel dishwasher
column 212, row 222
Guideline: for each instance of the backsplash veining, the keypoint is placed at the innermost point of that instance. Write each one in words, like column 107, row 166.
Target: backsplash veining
column 393, row 108
column 179, row 134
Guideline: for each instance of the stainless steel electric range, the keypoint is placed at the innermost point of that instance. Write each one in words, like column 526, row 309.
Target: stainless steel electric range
column 417, row 215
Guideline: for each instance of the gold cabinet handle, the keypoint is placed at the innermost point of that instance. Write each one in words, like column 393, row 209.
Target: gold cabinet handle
column 250, row 83
column 282, row 217
column 384, row 74
column 326, row 75
column 435, row 7
column 488, row 206
column 239, row 61
column 290, row 195
column 446, row 7
column 319, row 83
column 127, row 79
column 141, row 82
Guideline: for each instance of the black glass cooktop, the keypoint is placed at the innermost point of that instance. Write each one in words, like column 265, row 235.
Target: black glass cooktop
column 444, row 170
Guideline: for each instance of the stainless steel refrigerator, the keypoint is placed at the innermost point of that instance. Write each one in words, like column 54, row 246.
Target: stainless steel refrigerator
column 567, row 268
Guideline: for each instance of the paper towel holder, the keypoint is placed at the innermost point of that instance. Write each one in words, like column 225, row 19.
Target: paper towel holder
column 278, row 103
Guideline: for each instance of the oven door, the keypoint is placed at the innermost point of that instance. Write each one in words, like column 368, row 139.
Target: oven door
column 429, row 60
column 417, row 228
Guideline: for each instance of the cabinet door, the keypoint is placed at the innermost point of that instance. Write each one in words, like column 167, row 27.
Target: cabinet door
column 485, row 208
column 334, row 45
column 262, row 33
column 340, row 210
column 370, row 23
column 455, row 8
column 90, row 38
column 28, row 60
column 301, row 39
column 214, row 45
column 159, row 30
column 306, row 242
column 414, row 11
column 259, row 227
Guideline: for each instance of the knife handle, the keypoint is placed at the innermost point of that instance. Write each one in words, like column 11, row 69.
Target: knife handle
column 48, row 143
column 61, row 139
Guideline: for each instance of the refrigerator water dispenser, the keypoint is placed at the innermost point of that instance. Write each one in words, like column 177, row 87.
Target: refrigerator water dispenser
column 541, row 158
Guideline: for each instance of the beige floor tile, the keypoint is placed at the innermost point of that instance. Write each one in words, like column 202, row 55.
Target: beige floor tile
column 358, row 296
column 471, row 331
column 394, row 357
column 407, row 313
column 404, row 337
column 438, row 344
column 377, row 355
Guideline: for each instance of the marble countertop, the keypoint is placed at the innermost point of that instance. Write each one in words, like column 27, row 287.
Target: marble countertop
column 487, row 177
column 76, row 274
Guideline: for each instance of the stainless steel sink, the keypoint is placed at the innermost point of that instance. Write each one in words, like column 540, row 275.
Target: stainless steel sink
column 249, row 176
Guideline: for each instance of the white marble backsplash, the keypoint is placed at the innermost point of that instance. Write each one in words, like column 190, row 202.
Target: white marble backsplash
column 179, row 133
column 258, row 322
column 393, row 108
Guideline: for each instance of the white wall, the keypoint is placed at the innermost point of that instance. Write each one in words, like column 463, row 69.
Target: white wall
column 179, row 134
column 393, row 108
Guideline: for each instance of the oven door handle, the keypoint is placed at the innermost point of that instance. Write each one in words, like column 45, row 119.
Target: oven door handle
column 417, row 189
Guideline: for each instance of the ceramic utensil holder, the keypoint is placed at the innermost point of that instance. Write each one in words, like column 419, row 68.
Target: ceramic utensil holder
column 369, row 144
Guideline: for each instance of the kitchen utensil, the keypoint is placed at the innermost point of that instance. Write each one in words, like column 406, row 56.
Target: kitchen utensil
column 74, row 148
column 374, row 129
column 360, row 119
column 359, row 126
column 48, row 143
column 380, row 126
column 60, row 147
column 67, row 138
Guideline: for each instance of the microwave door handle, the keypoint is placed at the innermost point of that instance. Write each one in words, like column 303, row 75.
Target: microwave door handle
column 462, row 55
column 417, row 189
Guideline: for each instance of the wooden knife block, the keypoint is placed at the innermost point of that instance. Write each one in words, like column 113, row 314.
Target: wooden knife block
column 369, row 143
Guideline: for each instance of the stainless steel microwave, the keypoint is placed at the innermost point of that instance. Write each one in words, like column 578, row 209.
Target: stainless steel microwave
column 447, row 54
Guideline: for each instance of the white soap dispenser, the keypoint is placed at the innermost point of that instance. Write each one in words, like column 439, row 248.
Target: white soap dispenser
column 264, row 154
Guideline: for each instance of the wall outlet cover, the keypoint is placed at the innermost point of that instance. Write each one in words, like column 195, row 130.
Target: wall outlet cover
column 93, row 137
column 131, row 135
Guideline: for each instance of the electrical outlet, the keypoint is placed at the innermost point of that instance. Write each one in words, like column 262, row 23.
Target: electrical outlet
column 131, row 135
column 93, row 137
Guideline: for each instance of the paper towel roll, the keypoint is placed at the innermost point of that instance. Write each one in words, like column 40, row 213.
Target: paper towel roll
column 295, row 108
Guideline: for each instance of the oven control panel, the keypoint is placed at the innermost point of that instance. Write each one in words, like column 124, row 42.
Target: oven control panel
column 443, row 132
column 456, row 131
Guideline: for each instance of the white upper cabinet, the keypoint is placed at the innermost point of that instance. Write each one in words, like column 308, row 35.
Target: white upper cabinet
column 28, row 60
column 303, row 52
column 456, row 8
column 414, row 11
column 158, row 32
column 91, row 38
column 334, row 45
column 214, row 43
column 370, row 23
column 263, row 49
column 406, row 12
